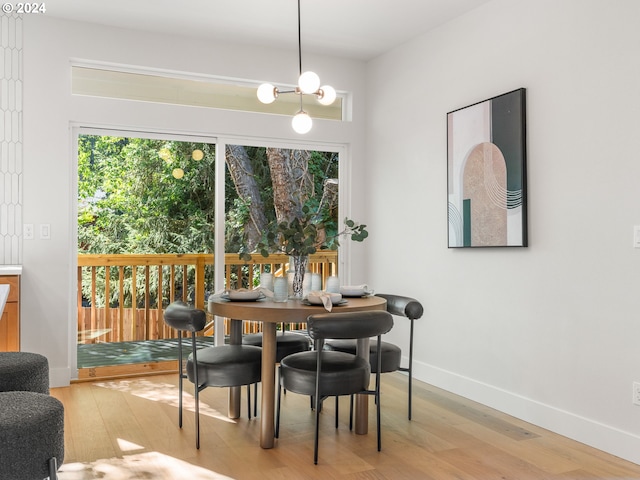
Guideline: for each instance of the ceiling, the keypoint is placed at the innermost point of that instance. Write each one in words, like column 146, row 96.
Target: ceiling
column 357, row 29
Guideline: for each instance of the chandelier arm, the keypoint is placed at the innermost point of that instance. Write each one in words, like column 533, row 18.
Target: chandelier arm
column 308, row 84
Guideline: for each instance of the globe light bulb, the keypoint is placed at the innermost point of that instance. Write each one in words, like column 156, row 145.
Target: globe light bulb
column 301, row 123
column 197, row 155
column 328, row 95
column 177, row 173
column 309, row 82
column 267, row 93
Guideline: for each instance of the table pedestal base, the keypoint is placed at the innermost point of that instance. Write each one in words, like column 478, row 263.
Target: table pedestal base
column 267, row 424
column 362, row 401
column 235, row 393
column 269, row 314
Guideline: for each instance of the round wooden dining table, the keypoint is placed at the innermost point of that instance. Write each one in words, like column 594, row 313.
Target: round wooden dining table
column 271, row 313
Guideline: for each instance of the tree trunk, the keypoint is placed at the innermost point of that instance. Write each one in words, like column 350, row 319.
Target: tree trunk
column 292, row 182
column 329, row 201
column 241, row 172
column 329, row 198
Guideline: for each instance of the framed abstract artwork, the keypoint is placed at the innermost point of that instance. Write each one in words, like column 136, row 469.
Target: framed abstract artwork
column 486, row 173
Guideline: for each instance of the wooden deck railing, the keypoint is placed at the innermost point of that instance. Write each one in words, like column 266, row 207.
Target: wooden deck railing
column 122, row 297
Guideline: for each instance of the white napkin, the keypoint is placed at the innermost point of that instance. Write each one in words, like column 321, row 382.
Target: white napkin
column 217, row 294
column 266, row 292
column 225, row 291
column 325, row 298
column 356, row 290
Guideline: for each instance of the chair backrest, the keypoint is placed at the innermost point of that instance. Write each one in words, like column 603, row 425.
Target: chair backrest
column 403, row 306
column 183, row 317
column 349, row 324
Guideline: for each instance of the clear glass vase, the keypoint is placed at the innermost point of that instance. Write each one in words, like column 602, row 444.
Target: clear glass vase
column 300, row 263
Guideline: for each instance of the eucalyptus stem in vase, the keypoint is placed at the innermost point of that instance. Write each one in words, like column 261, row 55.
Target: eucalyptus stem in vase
column 301, row 237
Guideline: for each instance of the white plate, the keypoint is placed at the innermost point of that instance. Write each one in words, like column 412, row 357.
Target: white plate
column 244, row 295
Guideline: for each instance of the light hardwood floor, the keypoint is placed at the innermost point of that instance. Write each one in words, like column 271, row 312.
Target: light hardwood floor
column 128, row 429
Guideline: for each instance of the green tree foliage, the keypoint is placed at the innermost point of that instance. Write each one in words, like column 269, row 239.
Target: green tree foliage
column 130, row 202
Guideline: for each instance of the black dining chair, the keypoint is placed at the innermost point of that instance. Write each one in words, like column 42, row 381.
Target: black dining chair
column 216, row 366
column 322, row 373
column 405, row 307
column 287, row 343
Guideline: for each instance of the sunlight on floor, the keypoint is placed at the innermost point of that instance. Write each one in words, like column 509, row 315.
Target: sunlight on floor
column 163, row 392
column 126, row 446
column 144, row 465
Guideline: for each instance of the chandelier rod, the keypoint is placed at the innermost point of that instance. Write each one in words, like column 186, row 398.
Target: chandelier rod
column 299, row 41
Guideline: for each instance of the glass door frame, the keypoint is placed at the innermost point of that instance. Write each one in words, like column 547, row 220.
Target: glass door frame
column 76, row 132
column 343, row 200
column 220, row 142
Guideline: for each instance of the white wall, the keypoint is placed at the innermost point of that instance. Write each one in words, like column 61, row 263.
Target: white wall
column 548, row 333
column 49, row 279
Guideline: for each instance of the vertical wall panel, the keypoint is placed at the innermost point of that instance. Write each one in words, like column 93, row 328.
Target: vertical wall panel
column 10, row 139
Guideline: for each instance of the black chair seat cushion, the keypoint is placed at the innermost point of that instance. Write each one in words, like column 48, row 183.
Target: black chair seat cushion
column 391, row 354
column 24, row 371
column 287, row 343
column 342, row 373
column 227, row 365
column 31, row 432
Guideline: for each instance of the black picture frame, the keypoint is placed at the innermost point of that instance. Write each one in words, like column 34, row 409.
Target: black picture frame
column 486, row 173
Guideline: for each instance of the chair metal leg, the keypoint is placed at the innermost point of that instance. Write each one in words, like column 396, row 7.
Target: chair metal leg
column 197, row 399
column 180, row 378
column 318, row 400
column 53, row 469
column 317, row 434
column 255, row 399
column 351, row 412
column 410, row 393
column 196, row 388
column 378, row 410
column 249, row 401
column 410, row 369
column 377, row 394
column 336, row 411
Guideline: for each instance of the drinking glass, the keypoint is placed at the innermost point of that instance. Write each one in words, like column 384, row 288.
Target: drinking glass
column 316, row 282
column 280, row 289
column 266, row 280
column 333, row 284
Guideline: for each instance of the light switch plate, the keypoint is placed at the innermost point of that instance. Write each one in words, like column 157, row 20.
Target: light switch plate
column 636, row 236
column 45, row 231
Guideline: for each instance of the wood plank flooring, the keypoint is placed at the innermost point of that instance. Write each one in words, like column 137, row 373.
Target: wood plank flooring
column 128, row 429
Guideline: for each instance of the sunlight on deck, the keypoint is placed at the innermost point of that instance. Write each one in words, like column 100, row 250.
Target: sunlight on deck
column 144, row 465
column 165, row 393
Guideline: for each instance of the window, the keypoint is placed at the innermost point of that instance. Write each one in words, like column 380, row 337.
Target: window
column 201, row 92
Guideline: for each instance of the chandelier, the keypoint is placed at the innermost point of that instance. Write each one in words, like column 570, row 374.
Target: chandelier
column 308, row 84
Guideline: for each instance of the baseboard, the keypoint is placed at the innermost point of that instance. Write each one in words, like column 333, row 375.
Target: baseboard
column 128, row 370
column 603, row 437
column 59, row 377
